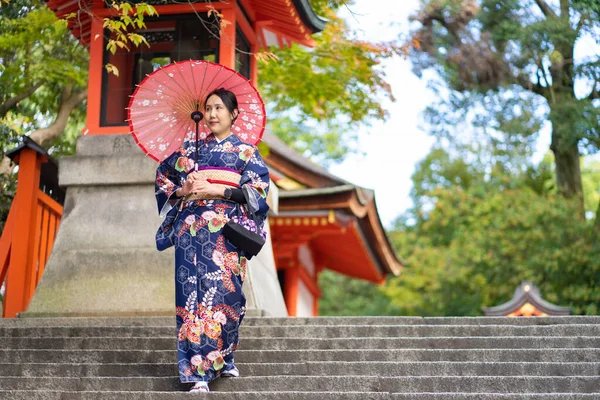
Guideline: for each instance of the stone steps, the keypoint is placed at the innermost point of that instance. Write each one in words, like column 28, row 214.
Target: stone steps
column 319, row 331
column 260, row 321
column 287, row 395
column 374, row 355
column 310, row 358
column 317, row 368
column 484, row 384
column 282, row 343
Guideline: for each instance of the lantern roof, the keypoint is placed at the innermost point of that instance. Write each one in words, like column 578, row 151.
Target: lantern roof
column 527, row 294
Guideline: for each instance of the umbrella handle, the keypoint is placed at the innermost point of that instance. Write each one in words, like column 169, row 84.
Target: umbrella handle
column 197, row 117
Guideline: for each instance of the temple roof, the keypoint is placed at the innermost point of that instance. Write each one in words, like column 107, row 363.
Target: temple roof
column 526, row 293
column 281, row 21
column 294, row 21
column 293, row 164
column 338, row 220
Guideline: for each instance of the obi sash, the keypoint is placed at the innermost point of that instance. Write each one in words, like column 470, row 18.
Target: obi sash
column 222, row 177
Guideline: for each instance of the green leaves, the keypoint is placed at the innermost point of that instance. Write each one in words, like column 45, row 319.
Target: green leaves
column 477, row 231
column 476, row 246
column 40, row 57
column 129, row 18
column 503, row 49
column 329, row 90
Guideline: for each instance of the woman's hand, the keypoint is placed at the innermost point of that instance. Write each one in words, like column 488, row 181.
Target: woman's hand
column 186, row 188
column 196, row 184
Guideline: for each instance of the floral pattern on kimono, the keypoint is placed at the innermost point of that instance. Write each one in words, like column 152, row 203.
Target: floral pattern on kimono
column 209, row 270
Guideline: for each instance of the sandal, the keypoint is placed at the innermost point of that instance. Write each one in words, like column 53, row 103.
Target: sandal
column 200, row 387
column 232, row 372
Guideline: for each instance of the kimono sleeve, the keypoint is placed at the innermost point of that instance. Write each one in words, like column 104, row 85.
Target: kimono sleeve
column 166, row 183
column 256, row 176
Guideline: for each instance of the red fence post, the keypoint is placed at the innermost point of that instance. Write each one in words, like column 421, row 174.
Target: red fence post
column 18, row 289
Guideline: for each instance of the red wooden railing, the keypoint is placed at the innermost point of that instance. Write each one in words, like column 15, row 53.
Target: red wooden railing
column 29, row 232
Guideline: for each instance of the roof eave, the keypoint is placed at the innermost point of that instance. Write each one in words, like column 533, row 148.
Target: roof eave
column 308, row 15
column 362, row 207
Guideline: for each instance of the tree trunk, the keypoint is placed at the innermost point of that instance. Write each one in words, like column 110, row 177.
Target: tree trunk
column 45, row 136
column 568, row 169
column 597, row 221
column 69, row 101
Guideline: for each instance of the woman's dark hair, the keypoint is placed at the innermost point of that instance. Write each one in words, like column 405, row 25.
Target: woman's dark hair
column 228, row 99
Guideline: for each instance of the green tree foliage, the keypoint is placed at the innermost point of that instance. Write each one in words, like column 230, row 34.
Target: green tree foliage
column 39, row 59
column 41, row 68
column 319, row 96
column 515, row 56
column 482, row 231
column 348, row 296
column 8, row 183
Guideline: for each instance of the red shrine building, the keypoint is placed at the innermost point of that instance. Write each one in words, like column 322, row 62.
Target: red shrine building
column 322, row 222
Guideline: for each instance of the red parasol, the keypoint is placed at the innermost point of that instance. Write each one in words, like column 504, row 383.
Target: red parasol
column 161, row 108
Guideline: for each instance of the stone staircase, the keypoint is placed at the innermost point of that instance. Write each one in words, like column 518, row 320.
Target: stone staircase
column 309, row 358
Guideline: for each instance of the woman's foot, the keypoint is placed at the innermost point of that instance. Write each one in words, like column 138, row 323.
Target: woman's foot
column 200, row 387
column 231, row 372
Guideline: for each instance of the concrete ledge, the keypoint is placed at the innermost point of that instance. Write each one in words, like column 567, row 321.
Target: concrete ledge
column 106, row 145
column 106, row 170
column 141, row 279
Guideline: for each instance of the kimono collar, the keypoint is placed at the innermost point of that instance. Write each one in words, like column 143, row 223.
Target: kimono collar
column 212, row 140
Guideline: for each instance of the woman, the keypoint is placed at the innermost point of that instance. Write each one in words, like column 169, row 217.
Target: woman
column 209, row 269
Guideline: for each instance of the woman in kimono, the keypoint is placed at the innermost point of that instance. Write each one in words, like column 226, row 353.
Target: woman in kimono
column 209, row 270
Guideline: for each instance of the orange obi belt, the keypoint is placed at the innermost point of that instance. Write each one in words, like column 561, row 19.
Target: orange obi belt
column 224, row 177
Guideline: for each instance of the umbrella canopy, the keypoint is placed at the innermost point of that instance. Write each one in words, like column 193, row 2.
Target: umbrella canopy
column 161, row 107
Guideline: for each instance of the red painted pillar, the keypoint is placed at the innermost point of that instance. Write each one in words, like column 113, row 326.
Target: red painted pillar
column 292, row 279
column 18, row 289
column 95, row 77
column 227, row 42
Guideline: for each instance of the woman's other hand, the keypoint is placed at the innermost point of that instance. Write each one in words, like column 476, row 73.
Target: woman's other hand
column 202, row 186
column 186, row 188
column 188, row 185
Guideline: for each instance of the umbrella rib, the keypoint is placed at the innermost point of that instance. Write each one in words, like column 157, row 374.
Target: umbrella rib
column 183, row 92
column 195, row 90
column 213, row 79
column 226, row 78
column 201, row 88
column 172, row 91
column 192, row 94
column 170, row 147
column 231, row 88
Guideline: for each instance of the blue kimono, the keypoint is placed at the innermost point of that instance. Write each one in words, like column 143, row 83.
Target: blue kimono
column 209, row 270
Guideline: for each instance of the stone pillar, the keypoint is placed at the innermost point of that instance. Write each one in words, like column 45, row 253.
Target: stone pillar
column 104, row 260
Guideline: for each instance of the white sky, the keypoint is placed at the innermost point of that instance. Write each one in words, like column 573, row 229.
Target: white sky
column 394, row 147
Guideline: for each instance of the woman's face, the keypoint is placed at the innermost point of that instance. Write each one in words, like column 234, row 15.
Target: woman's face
column 217, row 115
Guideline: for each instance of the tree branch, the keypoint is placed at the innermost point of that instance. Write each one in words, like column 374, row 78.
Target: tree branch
column 564, row 8
column 580, row 23
column 597, row 220
column 525, row 83
column 546, row 10
column 69, row 101
column 13, row 101
column 45, row 136
column 594, row 94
